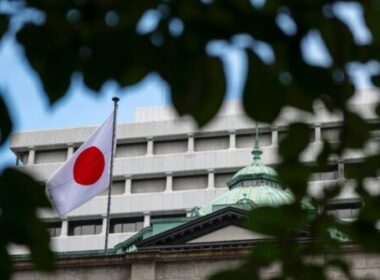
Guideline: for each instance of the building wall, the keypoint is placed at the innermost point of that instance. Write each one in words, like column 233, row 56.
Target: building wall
column 165, row 165
column 78, row 273
column 178, row 266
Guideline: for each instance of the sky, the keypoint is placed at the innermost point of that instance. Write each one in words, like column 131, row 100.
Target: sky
column 21, row 87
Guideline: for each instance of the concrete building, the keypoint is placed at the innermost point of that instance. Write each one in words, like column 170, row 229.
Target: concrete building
column 165, row 168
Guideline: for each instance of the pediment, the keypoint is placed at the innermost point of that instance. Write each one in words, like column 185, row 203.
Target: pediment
column 212, row 227
column 228, row 233
column 222, row 228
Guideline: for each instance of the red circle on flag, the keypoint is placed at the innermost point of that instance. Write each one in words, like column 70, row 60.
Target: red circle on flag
column 89, row 166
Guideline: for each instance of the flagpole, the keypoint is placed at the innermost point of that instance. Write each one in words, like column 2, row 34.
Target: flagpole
column 115, row 104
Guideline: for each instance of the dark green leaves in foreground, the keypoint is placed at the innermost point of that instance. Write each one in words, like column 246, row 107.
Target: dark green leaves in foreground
column 20, row 197
column 3, row 24
column 5, row 121
column 198, row 84
column 270, row 221
column 263, row 105
column 101, row 41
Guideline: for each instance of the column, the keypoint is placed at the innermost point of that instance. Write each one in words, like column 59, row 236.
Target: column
column 146, row 219
column 274, row 136
column 32, row 155
column 149, row 151
column 232, row 139
column 190, row 143
column 211, row 179
column 318, row 134
column 128, row 184
column 104, row 224
column 64, row 227
column 70, row 150
column 169, row 182
column 345, row 190
column 341, row 170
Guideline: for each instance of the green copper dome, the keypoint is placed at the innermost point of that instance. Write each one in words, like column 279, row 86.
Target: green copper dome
column 256, row 185
column 251, row 175
column 248, row 197
column 253, row 186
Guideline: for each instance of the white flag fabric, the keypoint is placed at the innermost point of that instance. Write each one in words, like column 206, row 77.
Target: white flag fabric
column 85, row 174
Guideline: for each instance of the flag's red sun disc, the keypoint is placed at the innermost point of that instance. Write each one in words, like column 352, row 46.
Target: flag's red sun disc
column 89, row 166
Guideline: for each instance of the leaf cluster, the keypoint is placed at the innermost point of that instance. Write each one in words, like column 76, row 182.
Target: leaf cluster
column 20, row 198
column 103, row 40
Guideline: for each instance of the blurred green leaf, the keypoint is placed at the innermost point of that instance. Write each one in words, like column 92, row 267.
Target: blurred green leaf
column 295, row 175
column 3, row 24
column 198, row 88
column 78, row 38
column 371, row 15
column 270, row 221
column 20, row 197
column 6, row 266
column 297, row 139
column 51, row 56
column 355, row 131
column 264, row 95
column 5, row 121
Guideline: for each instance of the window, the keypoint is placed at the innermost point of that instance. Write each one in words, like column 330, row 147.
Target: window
column 375, row 128
column 165, row 216
column 51, row 156
column 23, row 158
column 282, row 134
column 329, row 173
column 346, row 210
column 170, row 147
column 248, row 140
column 221, row 179
column 54, row 228
column 331, row 134
column 118, row 225
column 211, row 143
column 151, row 185
column 118, row 187
column 131, row 149
column 190, row 182
column 85, row 227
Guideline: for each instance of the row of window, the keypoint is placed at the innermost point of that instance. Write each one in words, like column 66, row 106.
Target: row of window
column 161, row 147
column 179, row 183
column 349, row 210
column 134, row 224
column 201, row 181
column 193, row 182
column 91, row 227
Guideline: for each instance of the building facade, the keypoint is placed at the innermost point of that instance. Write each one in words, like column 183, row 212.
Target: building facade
column 164, row 167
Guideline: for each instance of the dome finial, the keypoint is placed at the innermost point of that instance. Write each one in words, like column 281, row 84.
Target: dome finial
column 256, row 152
column 257, row 144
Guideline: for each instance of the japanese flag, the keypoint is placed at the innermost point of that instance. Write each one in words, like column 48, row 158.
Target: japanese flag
column 86, row 173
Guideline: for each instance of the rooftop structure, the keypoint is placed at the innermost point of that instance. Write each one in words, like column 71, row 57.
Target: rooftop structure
column 253, row 186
